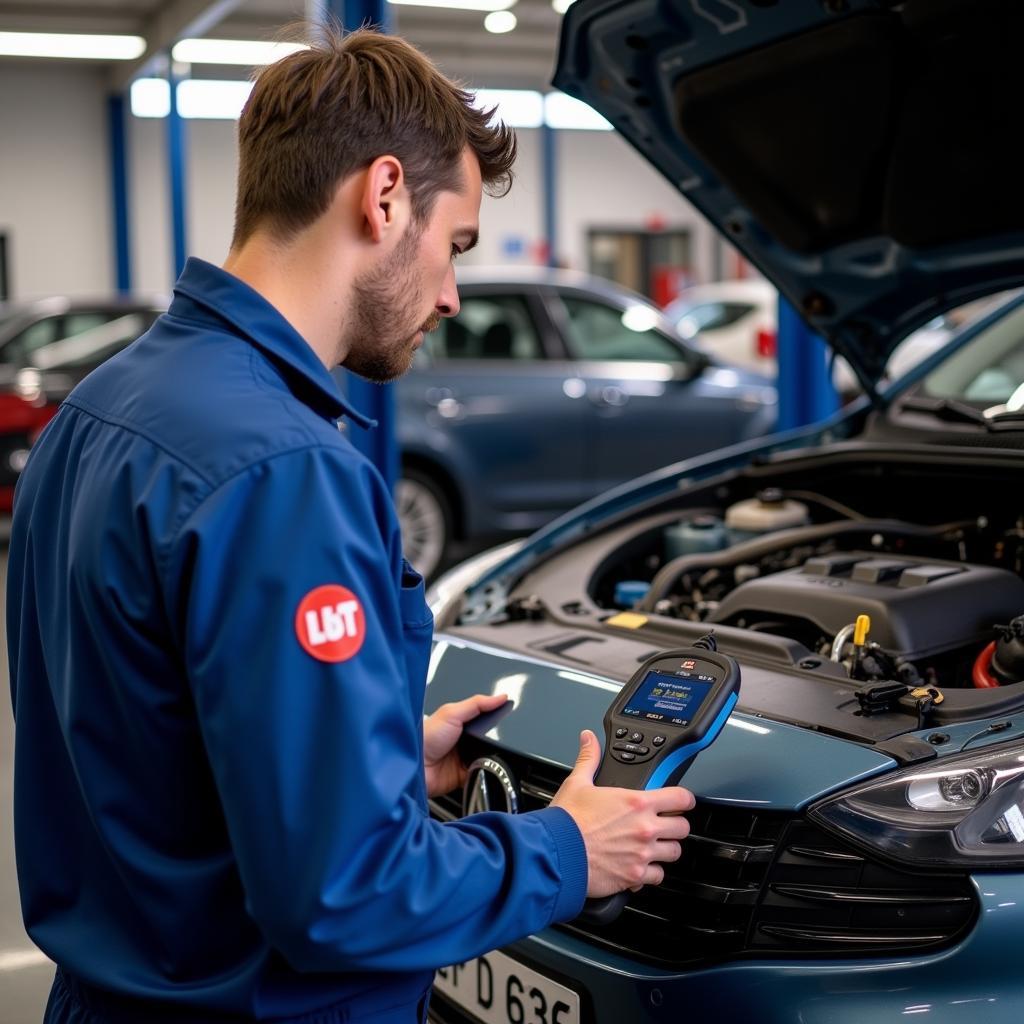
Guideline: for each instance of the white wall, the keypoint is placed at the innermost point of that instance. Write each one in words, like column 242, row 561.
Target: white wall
column 149, row 206
column 518, row 216
column 55, row 188
column 604, row 183
column 211, row 157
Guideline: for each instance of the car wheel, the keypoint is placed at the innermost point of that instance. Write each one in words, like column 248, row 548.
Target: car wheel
column 425, row 519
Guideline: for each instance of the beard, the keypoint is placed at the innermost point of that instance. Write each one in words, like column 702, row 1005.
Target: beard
column 381, row 331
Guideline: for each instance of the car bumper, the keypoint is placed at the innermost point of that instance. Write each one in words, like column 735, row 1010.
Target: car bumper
column 978, row 979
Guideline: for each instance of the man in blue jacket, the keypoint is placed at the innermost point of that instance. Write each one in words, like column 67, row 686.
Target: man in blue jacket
column 218, row 652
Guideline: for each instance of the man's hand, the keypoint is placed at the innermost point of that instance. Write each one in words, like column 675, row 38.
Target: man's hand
column 628, row 833
column 441, row 731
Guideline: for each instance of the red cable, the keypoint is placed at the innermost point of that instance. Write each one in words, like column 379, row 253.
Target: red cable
column 984, row 679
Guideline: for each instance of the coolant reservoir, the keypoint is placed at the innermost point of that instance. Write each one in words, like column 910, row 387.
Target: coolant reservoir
column 695, row 536
column 767, row 512
column 628, row 593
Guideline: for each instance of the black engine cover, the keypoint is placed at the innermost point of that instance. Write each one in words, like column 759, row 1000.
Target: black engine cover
column 917, row 608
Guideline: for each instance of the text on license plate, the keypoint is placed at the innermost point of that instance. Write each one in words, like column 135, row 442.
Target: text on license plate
column 499, row 990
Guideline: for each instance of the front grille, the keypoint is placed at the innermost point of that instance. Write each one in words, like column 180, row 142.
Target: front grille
column 765, row 883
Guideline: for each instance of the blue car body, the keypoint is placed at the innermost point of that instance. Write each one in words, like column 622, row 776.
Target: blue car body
column 516, row 411
column 831, row 875
column 775, row 766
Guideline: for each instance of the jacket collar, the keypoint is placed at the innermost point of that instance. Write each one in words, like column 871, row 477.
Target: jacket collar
column 214, row 290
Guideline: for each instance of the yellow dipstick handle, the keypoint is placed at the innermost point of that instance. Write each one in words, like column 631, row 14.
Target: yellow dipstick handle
column 861, row 630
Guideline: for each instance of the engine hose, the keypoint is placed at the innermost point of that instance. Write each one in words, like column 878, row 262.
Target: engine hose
column 751, row 550
column 842, row 637
column 983, row 678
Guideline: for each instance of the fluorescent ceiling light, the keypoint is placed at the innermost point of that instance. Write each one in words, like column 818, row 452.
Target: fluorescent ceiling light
column 562, row 111
column 151, row 97
column 82, row 47
column 518, row 108
column 212, row 99
column 499, row 22
column 460, row 5
column 221, row 99
column 561, row 6
column 246, row 52
column 197, row 98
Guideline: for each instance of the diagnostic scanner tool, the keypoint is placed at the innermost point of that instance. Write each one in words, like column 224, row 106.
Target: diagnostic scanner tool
column 673, row 707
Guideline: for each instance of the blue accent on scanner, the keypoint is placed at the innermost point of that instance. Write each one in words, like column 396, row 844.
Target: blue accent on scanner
column 677, row 757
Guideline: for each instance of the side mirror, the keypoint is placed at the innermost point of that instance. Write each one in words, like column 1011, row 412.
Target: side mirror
column 693, row 367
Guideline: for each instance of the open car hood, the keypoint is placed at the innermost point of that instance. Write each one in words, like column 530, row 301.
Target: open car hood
column 863, row 154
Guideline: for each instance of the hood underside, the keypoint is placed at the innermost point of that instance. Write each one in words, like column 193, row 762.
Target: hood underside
column 863, row 154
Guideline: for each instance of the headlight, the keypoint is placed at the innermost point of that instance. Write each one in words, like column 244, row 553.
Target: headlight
column 964, row 811
column 446, row 592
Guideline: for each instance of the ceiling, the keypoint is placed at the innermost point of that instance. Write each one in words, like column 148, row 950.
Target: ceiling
column 456, row 40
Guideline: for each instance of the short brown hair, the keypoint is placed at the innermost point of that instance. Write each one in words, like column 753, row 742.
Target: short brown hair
column 321, row 114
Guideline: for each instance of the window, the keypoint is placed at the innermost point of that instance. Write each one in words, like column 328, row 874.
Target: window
column 989, row 370
column 75, row 340
column 89, row 339
column 600, row 332
column 487, row 327
column 38, row 335
column 709, row 316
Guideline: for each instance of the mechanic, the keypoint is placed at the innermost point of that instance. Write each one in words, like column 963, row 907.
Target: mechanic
column 218, row 653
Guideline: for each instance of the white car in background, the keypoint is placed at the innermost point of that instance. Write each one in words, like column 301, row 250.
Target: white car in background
column 735, row 321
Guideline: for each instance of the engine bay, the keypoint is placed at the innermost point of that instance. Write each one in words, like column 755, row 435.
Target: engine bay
column 893, row 579
column 926, row 609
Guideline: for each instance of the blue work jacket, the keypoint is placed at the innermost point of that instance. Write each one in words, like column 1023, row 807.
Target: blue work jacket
column 218, row 658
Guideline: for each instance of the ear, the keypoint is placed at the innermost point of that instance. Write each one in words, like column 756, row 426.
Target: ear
column 385, row 200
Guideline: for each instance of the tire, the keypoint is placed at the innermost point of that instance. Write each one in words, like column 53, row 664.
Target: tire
column 426, row 521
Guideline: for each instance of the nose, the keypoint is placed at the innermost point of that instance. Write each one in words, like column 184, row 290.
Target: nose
column 448, row 298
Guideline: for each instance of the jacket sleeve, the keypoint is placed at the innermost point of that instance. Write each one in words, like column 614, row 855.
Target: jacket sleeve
column 314, row 734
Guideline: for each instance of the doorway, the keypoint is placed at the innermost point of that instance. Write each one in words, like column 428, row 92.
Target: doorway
column 657, row 264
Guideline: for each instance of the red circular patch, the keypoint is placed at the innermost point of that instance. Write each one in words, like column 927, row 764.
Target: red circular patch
column 330, row 623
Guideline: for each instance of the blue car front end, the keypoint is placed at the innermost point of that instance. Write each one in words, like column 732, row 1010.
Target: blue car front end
column 788, row 906
column 857, row 849
column 788, row 909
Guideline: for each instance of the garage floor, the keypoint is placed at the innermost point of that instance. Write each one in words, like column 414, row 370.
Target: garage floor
column 25, row 974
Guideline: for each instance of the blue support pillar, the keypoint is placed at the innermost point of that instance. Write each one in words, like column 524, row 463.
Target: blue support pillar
column 549, row 187
column 377, row 401
column 176, row 174
column 806, row 392
column 117, row 133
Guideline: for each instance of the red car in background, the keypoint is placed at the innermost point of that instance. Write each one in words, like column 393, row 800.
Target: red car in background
column 46, row 348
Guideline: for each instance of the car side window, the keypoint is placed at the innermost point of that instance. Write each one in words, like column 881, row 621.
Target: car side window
column 88, row 339
column 709, row 316
column 487, row 327
column 38, row 335
column 601, row 332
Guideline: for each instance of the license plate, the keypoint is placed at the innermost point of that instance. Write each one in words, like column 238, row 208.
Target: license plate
column 496, row 989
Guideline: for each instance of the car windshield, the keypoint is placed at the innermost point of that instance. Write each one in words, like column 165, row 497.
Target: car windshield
column 988, row 371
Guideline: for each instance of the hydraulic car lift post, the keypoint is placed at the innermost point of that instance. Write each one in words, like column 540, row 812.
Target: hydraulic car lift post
column 806, row 392
column 176, row 140
column 117, row 132
column 374, row 400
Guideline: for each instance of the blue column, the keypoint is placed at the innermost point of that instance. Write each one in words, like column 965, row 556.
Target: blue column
column 176, row 174
column 549, row 188
column 117, row 130
column 806, row 392
column 354, row 13
column 380, row 444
